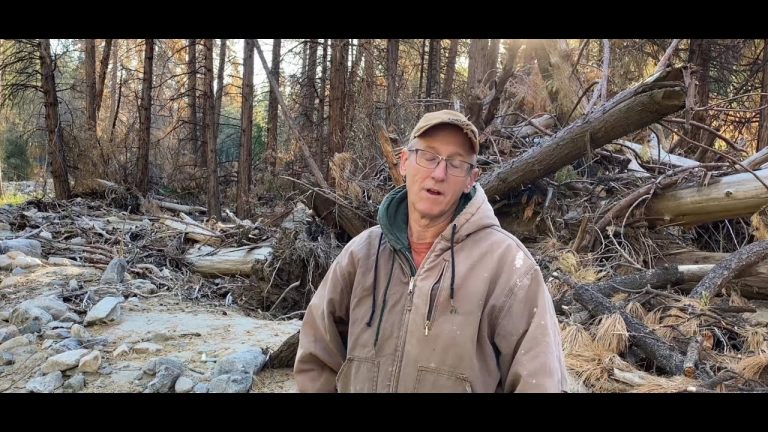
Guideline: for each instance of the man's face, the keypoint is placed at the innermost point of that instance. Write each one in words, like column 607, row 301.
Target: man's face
column 434, row 193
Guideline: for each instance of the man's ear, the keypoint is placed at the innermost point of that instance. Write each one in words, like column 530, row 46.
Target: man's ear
column 403, row 161
column 472, row 179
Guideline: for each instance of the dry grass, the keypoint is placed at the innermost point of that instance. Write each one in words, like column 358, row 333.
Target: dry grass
column 579, row 269
column 636, row 310
column 736, row 299
column 657, row 384
column 755, row 339
column 576, row 338
column 611, row 334
column 752, row 367
column 594, row 369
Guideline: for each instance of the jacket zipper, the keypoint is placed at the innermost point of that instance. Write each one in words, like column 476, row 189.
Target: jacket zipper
column 433, row 298
column 403, row 333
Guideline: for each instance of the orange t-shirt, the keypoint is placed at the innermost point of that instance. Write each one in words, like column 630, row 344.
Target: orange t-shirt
column 419, row 250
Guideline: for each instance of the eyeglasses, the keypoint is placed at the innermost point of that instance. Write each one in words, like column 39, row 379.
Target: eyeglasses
column 429, row 160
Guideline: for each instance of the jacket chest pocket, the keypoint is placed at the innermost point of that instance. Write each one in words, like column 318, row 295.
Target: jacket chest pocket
column 436, row 380
column 358, row 375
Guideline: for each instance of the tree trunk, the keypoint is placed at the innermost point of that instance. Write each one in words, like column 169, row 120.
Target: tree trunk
column 422, row 53
column 736, row 195
column 194, row 132
column 103, row 66
column 88, row 151
column 214, row 207
column 492, row 61
column 309, row 89
column 433, row 72
column 351, row 87
column 562, row 88
column 369, row 84
column 114, row 80
column 393, row 53
column 726, row 269
column 762, row 136
column 478, row 53
column 512, row 47
column 272, row 109
column 219, row 86
column 699, row 55
column 337, row 95
column 320, row 122
column 246, row 133
column 145, row 120
column 629, row 111
column 56, row 154
column 450, row 70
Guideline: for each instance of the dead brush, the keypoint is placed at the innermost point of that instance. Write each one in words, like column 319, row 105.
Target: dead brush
column 576, row 338
column 594, row 369
column 754, row 340
column 636, row 310
column 611, row 334
column 657, row 384
column 579, row 269
column 753, row 367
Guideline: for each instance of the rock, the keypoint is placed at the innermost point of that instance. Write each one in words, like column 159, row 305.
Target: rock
column 105, row 370
column 18, row 271
column 68, row 344
column 164, row 380
column 62, row 261
column 143, row 286
column 64, row 361
column 57, row 324
column 184, row 385
column 45, row 234
column 154, row 365
column 71, row 317
column 74, row 285
column 52, row 305
column 147, row 347
column 45, row 384
column 9, row 281
column 245, row 362
column 8, row 332
column 95, row 342
column 57, row 334
column 75, row 384
column 121, row 350
column 160, row 336
column 5, row 315
column 14, row 343
column 235, row 383
column 48, row 343
column 90, row 362
column 6, row 359
column 108, row 309
column 201, row 388
column 26, row 313
column 77, row 241
column 28, row 247
column 115, row 272
column 79, row 332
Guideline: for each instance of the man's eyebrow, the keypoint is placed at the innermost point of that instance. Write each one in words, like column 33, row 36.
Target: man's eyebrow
column 449, row 156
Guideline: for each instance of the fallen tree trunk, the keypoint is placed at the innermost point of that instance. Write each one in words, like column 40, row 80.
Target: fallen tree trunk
column 226, row 261
column 659, row 156
column 629, row 111
column 752, row 280
column 285, row 355
column 178, row 207
column 737, row 195
column 193, row 231
column 725, row 270
column 652, row 346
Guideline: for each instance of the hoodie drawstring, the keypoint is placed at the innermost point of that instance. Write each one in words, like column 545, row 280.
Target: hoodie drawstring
column 453, row 267
column 375, row 273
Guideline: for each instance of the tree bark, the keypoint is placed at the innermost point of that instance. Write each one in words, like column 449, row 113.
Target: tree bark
column 393, row 53
column 274, row 73
column 512, row 48
column 337, row 94
column 628, row 111
column 194, row 135
column 145, row 120
column 725, row 270
column 562, row 88
column 433, row 72
column 762, row 136
column 246, row 133
column 450, row 70
column 56, row 153
column 219, row 86
column 103, row 66
column 214, row 206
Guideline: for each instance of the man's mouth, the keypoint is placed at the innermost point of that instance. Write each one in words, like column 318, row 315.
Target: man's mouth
column 433, row 192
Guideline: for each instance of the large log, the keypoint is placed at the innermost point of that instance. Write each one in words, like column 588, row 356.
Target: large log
column 726, row 269
column 226, row 261
column 737, row 195
column 629, row 111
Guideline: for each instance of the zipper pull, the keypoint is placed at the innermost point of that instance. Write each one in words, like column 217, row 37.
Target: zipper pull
column 410, row 286
column 426, row 328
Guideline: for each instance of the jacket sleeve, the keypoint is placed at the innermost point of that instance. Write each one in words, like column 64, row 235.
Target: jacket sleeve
column 323, row 335
column 528, row 338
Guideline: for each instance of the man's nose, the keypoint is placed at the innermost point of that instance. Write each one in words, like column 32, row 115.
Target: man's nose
column 441, row 170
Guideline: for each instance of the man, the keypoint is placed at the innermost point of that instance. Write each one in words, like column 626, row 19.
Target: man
column 437, row 297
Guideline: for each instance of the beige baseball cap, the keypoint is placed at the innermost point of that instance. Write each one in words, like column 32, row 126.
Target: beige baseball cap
column 448, row 117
